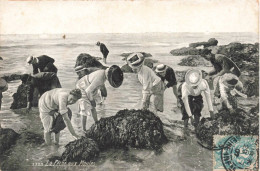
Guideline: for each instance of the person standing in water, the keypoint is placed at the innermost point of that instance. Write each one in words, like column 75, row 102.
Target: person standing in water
column 42, row 63
column 54, row 103
column 153, row 87
column 190, row 96
column 89, row 85
column 103, row 50
column 167, row 75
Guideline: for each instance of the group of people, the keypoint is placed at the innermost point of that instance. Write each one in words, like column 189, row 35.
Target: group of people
column 54, row 100
column 224, row 79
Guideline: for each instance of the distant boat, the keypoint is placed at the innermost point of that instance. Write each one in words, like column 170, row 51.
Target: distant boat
column 64, row 36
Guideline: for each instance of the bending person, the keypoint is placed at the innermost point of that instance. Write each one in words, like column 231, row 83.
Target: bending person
column 89, row 85
column 190, row 95
column 43, row 82
column 153, row 87
column 42, row 63
column 53, row 103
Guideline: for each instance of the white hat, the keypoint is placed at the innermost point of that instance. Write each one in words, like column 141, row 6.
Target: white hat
column 193, row 77
column 135, row 60
column 29, row 59
column 160, row 68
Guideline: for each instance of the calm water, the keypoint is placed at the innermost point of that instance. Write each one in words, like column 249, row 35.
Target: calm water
column 176, row 155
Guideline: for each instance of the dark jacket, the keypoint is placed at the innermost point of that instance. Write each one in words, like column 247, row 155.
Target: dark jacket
column 223, row 65
column 43, row 81
column 45, row 64
column 169, row 76
column 104, row 50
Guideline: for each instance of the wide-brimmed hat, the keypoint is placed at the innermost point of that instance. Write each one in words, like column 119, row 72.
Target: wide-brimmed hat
column 193, row 77
column 3, row 85
column 160, row 68
column 29, row 59
column 135, row 60
column 80, row 68
column 115, row 76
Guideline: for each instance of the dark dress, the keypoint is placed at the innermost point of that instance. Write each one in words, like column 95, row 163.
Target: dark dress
column 44, row 64
column 43, row 82
column 104, row 50
column 169, row 76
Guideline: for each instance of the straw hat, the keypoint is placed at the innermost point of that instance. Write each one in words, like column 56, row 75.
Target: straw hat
column 3, row 85
column 193, row 77
column 160, row 68
column 80, row 68
column 135, row 60
column 29, row 59
column 115, row 76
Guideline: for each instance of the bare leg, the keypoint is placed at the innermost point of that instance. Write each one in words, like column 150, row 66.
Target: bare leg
column 47, row 138
column 57, row 138
column 84, row 122
column 94, row 114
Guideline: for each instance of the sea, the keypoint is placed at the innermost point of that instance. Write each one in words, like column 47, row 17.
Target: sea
column 176, row 155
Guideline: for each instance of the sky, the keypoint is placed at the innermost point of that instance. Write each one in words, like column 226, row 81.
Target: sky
column 53, row 17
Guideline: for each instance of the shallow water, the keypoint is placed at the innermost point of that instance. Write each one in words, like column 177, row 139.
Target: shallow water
column 176, row 155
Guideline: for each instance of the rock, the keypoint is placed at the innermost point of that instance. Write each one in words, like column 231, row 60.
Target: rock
column 11, row 77
column 125, row 55
column 135, row 128
column 224, row 123
column 194, row 60
column 185, row 51
column 84, row 149
column 210, row 42
column 8, row 138
column 30, row 138
column 20, row 98
column 87, row 60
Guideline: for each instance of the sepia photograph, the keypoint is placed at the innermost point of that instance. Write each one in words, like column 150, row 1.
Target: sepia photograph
column 129, row 85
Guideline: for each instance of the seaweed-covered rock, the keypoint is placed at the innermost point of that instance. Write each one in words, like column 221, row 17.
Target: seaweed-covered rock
column 84, row 149
column 8, row 138
column 87, row 60
column 135, row 128
column 28, row 137
column 180, row 75
column 210, row 42
column 20, row 98
column 224, row 123
column 125, row 55
column 195, row 60
column 185, row 51
column 11, row 77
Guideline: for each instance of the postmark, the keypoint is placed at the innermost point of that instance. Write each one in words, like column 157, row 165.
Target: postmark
column 235, row 152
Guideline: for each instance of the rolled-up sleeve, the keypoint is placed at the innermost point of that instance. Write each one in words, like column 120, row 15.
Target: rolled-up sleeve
column 63, row 100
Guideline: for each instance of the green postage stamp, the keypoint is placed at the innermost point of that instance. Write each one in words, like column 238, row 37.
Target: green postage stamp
column 235, row 152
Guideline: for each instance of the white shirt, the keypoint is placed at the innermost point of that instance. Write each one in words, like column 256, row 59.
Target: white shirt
column 148, row 79
column 202, row 87
column 89, row 84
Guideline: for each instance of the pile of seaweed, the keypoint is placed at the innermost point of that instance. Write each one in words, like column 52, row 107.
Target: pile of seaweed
column 225, row 123
column 84, row 149
column 134, row 128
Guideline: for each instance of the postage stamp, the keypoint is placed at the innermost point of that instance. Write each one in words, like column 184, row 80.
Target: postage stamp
column 235, row 152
